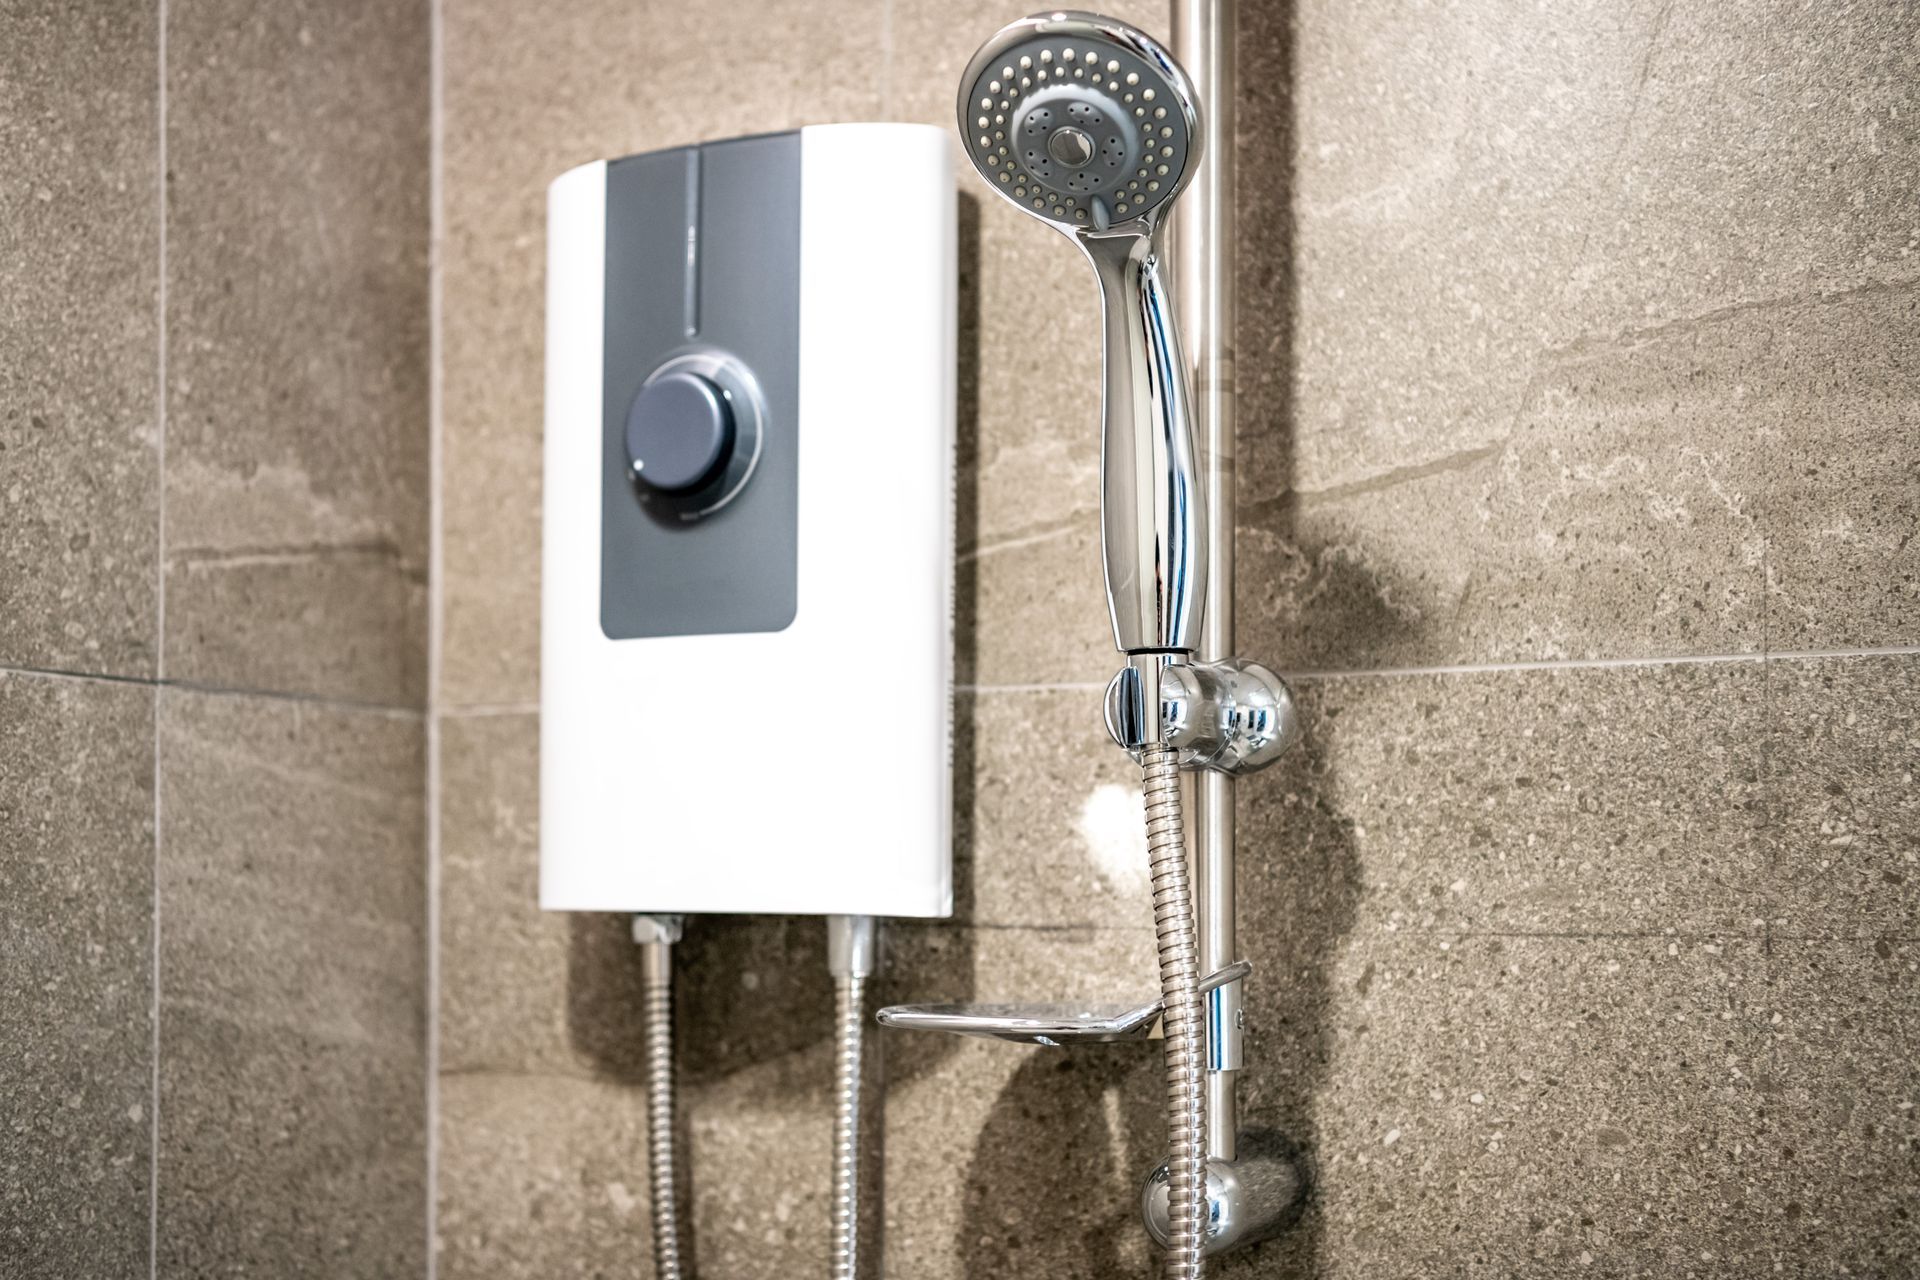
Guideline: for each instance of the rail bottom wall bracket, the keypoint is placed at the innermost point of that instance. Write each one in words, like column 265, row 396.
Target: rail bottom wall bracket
column 1249, row 1199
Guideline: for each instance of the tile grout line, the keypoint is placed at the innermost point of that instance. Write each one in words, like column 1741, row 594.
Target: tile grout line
column 481, row 710
column 214, row 690
column 981, row 550
column 1494, row 668
column 160, row 624
column 436, row 586
column 886, row 59
column 1584, row 664
column 1770, row 844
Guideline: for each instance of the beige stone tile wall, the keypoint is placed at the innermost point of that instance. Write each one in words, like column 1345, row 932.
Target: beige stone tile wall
column 213, row 552
column 292, row 956
column 1579, row 482
column 1578, row 491
column 297, row 156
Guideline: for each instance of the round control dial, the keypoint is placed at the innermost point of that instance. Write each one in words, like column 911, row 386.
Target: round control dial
column 680, row 432
column 693, row 435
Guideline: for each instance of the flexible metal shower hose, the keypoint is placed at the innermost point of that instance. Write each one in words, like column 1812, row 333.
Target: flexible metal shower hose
column 1180, row 991
column 849, row 1002
column 656, row 1018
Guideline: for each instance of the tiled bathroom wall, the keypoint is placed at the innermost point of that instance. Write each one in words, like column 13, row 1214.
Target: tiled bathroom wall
column 1580, row 446
column 213, row 534
column 1579, row 479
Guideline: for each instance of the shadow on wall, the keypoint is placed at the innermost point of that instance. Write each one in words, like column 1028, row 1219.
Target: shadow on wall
column 1298, row 875
column 1300, row 888
column 1299, row 869
column 1053, row 1185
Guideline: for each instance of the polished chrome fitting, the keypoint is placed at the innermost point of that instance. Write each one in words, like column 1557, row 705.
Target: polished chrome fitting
column 1233, row 716
column 1249, row 1199
column 658, row 929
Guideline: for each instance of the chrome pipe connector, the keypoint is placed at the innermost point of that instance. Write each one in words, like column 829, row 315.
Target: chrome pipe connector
column 1233, row 717
column 658, row 930
column 1249, row 1199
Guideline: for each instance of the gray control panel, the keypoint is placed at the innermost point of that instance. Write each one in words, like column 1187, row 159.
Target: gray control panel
column 700, row 403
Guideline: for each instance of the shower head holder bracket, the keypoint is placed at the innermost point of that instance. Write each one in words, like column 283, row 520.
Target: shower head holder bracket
column 1233, row 716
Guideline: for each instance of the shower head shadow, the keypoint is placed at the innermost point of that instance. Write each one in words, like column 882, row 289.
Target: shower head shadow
column 1080, row 120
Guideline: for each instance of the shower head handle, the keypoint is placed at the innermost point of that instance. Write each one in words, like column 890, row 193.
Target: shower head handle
column 1089, row 125
column 1152, row 497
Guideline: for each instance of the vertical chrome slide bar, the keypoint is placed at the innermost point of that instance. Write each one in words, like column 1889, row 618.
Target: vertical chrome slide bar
column 1203, row 283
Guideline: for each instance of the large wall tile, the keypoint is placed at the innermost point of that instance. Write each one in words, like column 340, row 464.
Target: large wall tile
column 531, row 92
column 504, row 963
column 1474, row 184
column 76, row 977
column 293, row 989
column 1724, row 844
column 1767, row 153
column 1740, row 483
column 1033, row 610
column 297, row 348
column 79, row 343
column 1843, row 809
column 1586, row 799
column 541, row 1177
column 1431, row 234
column 1839, row 1068
column 1514, row 1106
column 547, row 1175
column 1535, row 386
column 1049, row 821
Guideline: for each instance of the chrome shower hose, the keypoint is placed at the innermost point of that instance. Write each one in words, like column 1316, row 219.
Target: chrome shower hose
column 656, row 1018
column 1179, row 946
column 853, row 949
column 849, row 1002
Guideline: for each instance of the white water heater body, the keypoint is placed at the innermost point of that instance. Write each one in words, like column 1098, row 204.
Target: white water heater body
column 746, row 603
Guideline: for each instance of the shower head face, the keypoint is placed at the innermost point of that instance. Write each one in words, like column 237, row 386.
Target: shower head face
column 1083, row 121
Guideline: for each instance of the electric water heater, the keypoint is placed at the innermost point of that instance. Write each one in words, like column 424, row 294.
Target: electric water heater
column 745, row 689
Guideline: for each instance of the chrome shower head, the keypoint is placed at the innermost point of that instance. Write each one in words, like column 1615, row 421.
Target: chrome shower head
column 1081, row 120
column 1088, row 124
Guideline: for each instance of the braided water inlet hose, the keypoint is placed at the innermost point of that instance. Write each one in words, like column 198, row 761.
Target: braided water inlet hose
column 852, row 945
column 1179, row 946
column 848, row 1009
column 656, row 1021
